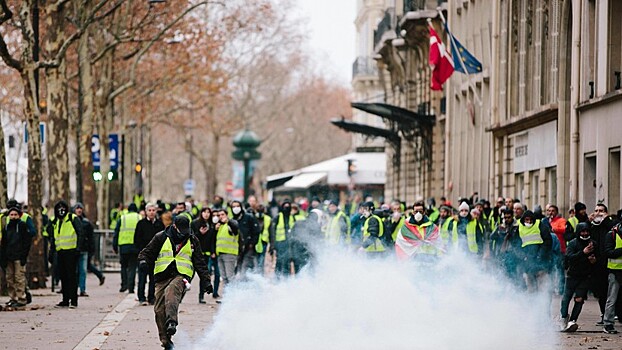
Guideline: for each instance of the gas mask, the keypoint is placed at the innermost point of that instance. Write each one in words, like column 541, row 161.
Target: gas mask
column 62, row 211
column 418, row 216
column 236, row 210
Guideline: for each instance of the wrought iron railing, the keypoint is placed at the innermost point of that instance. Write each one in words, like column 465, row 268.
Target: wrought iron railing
column 419, row 5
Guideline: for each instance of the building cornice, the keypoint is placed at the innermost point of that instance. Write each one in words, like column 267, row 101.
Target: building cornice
column 599, row 101
column 542, row 115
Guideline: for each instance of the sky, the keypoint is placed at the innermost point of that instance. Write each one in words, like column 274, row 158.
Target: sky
column 332, row 35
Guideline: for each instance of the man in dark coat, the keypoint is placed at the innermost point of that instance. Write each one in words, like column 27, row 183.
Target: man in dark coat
column 14, row 248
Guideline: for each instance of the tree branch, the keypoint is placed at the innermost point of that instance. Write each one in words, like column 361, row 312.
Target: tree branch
column 4, row 50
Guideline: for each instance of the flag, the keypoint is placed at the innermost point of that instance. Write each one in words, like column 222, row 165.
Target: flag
column 440, row 61
column 411, row 239
column 459, row 52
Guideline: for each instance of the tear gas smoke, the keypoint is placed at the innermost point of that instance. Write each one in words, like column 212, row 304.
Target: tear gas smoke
column 350, row 302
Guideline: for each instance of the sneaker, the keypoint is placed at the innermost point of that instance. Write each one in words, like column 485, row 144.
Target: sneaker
column 600, row 323
column 62, row 304
column 168, row 346
column 171, row 328
column 215, row 295
column 131, row 291
column 102, row 280
column 83, row 294
column 144, row 303
column 73, row 306
column 201, row 300
column 561, row 322
column 10, row 303
column 121, row 290
column 572, row 326
column 609, row 329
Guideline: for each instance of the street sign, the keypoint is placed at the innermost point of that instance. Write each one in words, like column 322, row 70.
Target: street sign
column 41, row 132
column 113, row 151
column 189, row 187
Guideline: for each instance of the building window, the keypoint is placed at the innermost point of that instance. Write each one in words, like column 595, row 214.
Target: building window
column 11, row 141
column 535, row 187
column 613, row 200
column 519, row 187
column 589, row 180
column 614, row 62
column 551, row 184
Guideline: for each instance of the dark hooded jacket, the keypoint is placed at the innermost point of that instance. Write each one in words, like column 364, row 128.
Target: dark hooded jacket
column 150, row 254
column 15, row 243
column 76, row 222
column 538, row 256
column 248, row 228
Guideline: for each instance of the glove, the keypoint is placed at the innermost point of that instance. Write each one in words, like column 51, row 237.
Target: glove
column 142, row 266
column 209, row 289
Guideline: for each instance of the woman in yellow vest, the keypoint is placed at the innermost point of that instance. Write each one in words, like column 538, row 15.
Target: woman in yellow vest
column 174, row 254
column 469, row 232
column 227, row 245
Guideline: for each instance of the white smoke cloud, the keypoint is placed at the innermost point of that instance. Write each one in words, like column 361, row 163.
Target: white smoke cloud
column 351, row 302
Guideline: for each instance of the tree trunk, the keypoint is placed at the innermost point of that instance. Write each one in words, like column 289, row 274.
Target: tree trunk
column 106, row 113
column 213, row 171
column 58, row 120
column 3, row 172
column 85, row 128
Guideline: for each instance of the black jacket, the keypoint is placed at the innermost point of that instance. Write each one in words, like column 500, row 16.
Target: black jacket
column 145, row 231
column 15, row 243
column 88, row 243
column 599, row 233
column 248, row 228
column 577, row 260
column 207, row 240
column 373, row 228
column 150, row 254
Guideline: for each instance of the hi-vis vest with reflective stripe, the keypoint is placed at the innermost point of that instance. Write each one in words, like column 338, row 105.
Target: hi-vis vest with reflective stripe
column 444, row 228
column 530, row 235
column 187, row 215
column 127, row 228
column 377, row 246
column 333, row 230
column 616, row 264
column 280, row 227
column 225, row 242
column 183, row 259
column 65, row 236
column 471, row 233
column 265, row 234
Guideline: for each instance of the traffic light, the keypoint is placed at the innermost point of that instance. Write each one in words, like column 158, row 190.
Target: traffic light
column 97, row 176
column 112, row 175
column 138, row 167
column 351, row 167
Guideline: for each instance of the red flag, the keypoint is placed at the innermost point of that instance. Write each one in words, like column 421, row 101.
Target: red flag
column 440, row 61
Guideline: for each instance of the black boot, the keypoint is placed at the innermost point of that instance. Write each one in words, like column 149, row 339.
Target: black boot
column 201, row 299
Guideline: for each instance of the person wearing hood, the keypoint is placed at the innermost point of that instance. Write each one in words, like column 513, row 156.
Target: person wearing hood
column 123, row 244
column 203, row 228
column 469, row 232
column 581, row 258
column 304, row 238
column 580, row 215
column 535, row 250
column 280, row 230
column 373, row 231
column 14, row 247
column 174, row 255
column 599, row 226
column 248, row 228
column 419, row 238
column 24, row 216
column 87, row 250
column 66, row 240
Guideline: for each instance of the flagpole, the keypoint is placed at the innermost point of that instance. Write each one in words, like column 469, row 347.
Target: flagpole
column 453, row 44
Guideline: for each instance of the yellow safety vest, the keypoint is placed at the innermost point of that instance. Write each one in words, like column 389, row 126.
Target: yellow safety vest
column 530, row 235
column 333, row 230
column 400, row 223
column 226, row 243
column 445, row 231
column 573, row 222
column 183, row 259
column 65, row 237
column 616, row 264
column 128, row 226
column 187, row 215
column 377, row 246
column 114, row 217
column 265, row 234
column 280, row 227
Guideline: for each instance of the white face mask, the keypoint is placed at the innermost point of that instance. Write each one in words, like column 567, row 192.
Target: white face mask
column 528, row 225
column 366, row 213
column 597, row 220
column 236, row 210
column 215, row 219
column 418, row 216
column 464, row 214
column 585, row 238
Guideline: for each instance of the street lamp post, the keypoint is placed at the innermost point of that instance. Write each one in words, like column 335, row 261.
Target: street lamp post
column 246, row 143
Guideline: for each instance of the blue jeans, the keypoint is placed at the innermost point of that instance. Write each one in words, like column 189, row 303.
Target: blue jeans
column 213, row 264
column 82, row 262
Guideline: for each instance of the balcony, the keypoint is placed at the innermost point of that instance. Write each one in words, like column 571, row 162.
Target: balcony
column 386, row 29
column 421, row 10
column 364, row 66
column 420, row 5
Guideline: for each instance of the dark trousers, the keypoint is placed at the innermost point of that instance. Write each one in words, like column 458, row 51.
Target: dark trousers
column 283, row 258
column 600, row 285
column 142, row 281
column 129, row 264
column 68, row 270
column 168, row 295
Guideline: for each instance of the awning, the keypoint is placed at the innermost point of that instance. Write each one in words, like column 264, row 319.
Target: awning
column 304, row 180
column 391, row 136
column 395, row 113
column 277, row 180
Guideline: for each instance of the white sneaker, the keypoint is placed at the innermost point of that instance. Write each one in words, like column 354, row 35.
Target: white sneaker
column 561, row 322
column 571, row 326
